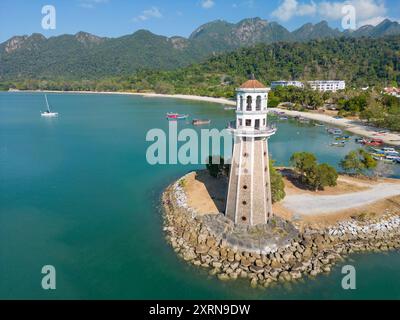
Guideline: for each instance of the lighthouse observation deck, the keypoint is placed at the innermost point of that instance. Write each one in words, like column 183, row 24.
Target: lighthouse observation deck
column 251, row 132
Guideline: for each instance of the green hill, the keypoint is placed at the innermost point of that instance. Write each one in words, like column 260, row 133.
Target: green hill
column 85, row 56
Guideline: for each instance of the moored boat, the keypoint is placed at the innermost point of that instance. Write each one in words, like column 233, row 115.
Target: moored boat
column 338, row 144
column 199, row 122
column 48, row 113
column 343, row 138
column 373, row 142
column 335, row 131
column 390, row 150
column 176, row 116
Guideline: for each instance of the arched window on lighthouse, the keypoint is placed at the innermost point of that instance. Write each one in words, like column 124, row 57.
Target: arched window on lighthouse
column 241, row 103
column 249, row 102
column 258, row 103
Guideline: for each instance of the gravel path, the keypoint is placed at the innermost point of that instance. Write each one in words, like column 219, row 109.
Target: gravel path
column 313, row 204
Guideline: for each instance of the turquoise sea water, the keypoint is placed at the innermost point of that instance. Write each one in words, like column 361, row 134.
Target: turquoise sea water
column 77, row 193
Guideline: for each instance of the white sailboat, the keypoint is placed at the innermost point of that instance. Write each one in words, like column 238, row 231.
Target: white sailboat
column 48, row 112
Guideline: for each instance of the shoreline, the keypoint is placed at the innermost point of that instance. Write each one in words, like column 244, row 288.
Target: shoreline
column 209, row 241
column 390, row 138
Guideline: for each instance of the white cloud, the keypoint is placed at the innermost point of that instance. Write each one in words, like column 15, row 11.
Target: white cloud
column 291, row 8
column 375, row 21
column 244, row 4
column 371, row 21
column 90, row 4
column 153, row 12
column 365, row 9
column 207, row 4
column 372, row 11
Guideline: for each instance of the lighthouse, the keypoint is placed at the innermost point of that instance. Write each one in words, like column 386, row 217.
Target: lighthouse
column 249, row 200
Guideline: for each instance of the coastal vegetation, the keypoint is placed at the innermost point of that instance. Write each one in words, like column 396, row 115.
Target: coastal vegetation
column 216, row 167
column 358, row 162
column 312, row 174
column 277, row 184
column 361, row 62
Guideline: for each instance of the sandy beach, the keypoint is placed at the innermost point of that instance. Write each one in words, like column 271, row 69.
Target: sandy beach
column 350, row 125
column 356, row 127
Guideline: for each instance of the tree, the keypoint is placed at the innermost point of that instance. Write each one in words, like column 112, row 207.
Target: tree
column 325, row 175
column 277, row 184
column 313, row 175
column 304, row 163
column 358, row 162
column 216, row 166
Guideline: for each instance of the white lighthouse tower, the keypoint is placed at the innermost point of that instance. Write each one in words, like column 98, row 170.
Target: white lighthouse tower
column 249, row 194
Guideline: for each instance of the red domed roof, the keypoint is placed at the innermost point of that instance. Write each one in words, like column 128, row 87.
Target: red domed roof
column 252, row 84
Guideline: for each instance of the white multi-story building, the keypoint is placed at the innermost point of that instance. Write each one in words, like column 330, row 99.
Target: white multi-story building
column 327, row 85
column 283, row 83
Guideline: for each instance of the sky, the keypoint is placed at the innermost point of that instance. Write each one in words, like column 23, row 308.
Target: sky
column 113, row 18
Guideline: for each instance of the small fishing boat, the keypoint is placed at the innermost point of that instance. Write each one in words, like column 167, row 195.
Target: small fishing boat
column 283, row 118
column 383, row 159
column 343, row 138
column 319, row 124
column 176, row 116
column 338, row 144
column 199, row 122
column 373, row 142
column 360, row 140
column 48, row 113
column 230, row 108
column 303, row 120
column 390, row 150
column 392, row 158
column 335, row 131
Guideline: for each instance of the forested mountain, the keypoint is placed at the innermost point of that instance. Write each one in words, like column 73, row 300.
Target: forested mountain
column 360, row 61
column 86, row 56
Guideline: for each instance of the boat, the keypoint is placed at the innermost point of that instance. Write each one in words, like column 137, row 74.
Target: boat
column 338, row 144
column 342, row 138
column 392, row 158
column 199, row 122
column 373, row 142
column 390, row 150
column 283, row 118
column 335, row 131
column 176, row 116
column 360, row 140
column 319, row 124
column 303, row 120
column 230, row 108
column 48, row 113
column 384, row 159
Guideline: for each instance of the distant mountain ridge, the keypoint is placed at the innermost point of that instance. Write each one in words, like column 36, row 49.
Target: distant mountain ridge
column 87, row 56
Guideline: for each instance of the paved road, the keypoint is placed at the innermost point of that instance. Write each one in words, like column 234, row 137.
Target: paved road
column 313, row 204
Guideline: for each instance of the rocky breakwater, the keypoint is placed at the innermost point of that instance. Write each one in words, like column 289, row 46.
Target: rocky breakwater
column 268, row 254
